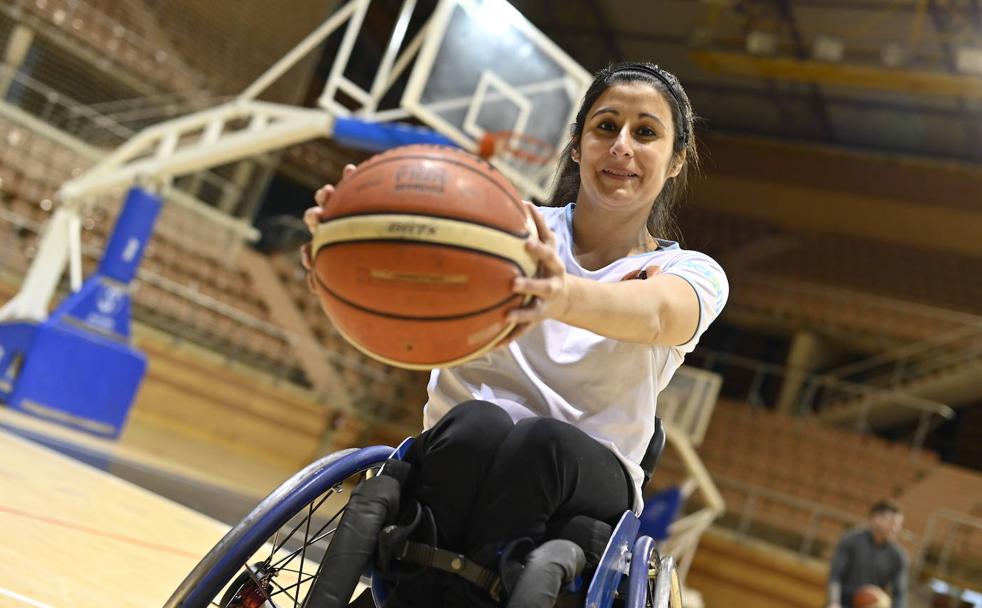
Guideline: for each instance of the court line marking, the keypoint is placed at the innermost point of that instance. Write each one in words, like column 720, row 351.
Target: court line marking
column 23, row 598
column 102, row 533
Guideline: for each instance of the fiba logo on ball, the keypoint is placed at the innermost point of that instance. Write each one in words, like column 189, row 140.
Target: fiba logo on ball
column 421, row 178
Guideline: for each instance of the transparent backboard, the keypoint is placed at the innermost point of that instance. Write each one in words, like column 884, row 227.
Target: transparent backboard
column 484, row 68
column 688, row 401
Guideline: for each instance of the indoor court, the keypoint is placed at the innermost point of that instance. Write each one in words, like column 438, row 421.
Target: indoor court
column 166, row 361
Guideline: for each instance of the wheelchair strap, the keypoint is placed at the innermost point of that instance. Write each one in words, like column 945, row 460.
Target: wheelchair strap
column 455, row 563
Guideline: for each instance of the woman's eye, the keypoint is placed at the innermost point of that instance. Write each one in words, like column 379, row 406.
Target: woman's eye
column 607, row 126
column 647, row 132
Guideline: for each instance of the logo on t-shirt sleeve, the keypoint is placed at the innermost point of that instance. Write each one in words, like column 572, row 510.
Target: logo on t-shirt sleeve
column 713, row 277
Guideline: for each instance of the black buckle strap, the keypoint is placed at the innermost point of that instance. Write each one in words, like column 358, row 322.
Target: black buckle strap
column 455, row 563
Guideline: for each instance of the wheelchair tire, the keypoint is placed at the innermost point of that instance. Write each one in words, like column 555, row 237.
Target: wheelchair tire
column 653, row 581
column 228, row 560
column 667, row 589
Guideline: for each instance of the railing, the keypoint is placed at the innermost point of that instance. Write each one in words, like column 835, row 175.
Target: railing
column 912, row 362
column 930, row 412
column 70, row 121
column 802, row 535
column 138, row 113
column 816, row 514
column 949, row 537
column 873, row 314
column 81, row 23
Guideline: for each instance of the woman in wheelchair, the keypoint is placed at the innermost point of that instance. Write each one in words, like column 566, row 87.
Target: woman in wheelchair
column 542, row 439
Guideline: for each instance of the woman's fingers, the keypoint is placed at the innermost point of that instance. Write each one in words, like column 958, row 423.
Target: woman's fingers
column 546, row 256
column 305, row 258
column 540, row 288
column 312, row 216
column 321, row 196
column 530, row 313
column 545, row 235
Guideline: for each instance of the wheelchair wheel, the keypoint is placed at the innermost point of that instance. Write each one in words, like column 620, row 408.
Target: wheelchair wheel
column 653, row 580
column 269, row 559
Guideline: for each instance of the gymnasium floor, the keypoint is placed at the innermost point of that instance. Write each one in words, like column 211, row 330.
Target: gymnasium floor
column 85, row 521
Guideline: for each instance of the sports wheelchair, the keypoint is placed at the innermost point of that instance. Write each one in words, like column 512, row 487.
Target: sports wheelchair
column 270, row 559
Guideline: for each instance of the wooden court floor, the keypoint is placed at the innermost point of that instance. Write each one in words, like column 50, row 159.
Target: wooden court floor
column 74, row 534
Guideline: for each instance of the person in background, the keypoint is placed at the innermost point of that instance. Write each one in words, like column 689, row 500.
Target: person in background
column 870, row 555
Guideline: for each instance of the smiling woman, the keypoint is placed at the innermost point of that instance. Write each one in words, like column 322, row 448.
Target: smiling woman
column 665, row 120
column 551, row 428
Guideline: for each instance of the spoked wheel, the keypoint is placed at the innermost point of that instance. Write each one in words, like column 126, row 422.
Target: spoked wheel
column 270, row 559
column 654, row 580
column 665, row 588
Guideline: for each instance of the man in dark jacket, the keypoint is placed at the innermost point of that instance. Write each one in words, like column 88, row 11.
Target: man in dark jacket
column 870, row 556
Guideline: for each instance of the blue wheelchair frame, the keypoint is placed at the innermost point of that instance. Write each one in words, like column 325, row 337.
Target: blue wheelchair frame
column 626, row 554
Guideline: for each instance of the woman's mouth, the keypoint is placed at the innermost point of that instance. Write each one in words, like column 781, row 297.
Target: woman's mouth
column 619, row 174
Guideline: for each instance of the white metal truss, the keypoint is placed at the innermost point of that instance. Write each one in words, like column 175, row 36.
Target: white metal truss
column 238, row 129
column 226, row 133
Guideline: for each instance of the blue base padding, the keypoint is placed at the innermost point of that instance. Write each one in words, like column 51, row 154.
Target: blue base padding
column 69, row 375
column 659, row 512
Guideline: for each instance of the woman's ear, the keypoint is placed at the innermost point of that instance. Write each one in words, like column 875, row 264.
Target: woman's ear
column 678, row 161
column 575, row 155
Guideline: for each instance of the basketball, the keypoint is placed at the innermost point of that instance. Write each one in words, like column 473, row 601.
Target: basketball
column 416, row 255
column 870, row 596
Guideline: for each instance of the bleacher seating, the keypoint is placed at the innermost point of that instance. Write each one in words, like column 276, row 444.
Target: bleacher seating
column 794, row 470
column 115, row 34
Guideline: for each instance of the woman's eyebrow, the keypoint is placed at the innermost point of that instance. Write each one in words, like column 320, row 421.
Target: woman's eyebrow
column 652, row 117
column 641, row 114
column 606, row 111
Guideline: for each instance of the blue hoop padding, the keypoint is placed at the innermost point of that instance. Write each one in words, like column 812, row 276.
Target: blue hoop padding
column 276, row 509
column 378, row 136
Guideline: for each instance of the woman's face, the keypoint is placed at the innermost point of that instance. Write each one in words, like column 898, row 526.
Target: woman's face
column 625, row 151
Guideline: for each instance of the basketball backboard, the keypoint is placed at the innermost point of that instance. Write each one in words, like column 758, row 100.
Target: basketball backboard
column 485, row 68
column 688, row 401
column 478, row 66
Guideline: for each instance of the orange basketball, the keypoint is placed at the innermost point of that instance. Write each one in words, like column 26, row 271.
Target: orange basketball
column 415, row 259
column 870, row 596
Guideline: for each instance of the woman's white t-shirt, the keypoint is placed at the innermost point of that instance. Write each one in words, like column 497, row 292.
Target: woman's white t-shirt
column 604, row 387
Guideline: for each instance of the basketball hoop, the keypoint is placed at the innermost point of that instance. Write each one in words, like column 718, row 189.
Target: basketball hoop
column 518, row 146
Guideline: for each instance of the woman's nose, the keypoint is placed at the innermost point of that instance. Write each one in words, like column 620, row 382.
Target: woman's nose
column 622, row 144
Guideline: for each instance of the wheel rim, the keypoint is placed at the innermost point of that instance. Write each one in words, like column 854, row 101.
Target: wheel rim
column 281, row 572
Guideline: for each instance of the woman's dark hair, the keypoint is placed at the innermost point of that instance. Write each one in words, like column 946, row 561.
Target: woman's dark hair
column 661, row 221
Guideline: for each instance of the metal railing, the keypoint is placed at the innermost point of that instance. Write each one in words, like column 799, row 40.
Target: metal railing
column 949, row 538
column 930, row 412
column 82, row 24
column 69, row 119
column 877, row 314
column 912, row 362
column 802, row 535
